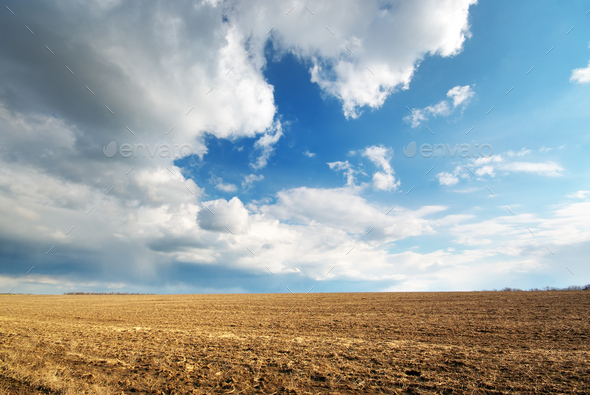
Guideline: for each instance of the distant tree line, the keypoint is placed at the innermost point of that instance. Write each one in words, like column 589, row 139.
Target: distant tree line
column 505, row 289
column 570, row 288
column 105, row 293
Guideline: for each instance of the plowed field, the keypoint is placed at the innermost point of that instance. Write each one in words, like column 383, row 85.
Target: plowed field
column 369, row 343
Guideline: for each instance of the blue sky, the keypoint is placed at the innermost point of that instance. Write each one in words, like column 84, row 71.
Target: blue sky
column 297, row 147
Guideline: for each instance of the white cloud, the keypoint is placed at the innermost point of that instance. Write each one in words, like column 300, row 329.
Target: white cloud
column 489, row 166
column 307, row 231
column 544, row 149
column 550, row 169
column 309, row 154
column 447, row 179
column 251, row 179
column 581, row 76
column 487, row 160
column 222, row 216
column 384, row 182
column 460, row 96
column 344, row 210
column 494, row 163
column 566, row 226
column 465, row 190
column 219, row 184
column 580, row 195
column 450, row 179
column 489, row 170
column 266, row 144
column 339, row 165
column 348, row 170
column 151, row 72
column 523, row 151
column 381, row 156
column 364, row 27
column 421, row 115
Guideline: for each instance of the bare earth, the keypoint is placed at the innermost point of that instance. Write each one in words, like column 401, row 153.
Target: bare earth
column 401, row 343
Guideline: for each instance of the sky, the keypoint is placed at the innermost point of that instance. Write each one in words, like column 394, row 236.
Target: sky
column 262, row 146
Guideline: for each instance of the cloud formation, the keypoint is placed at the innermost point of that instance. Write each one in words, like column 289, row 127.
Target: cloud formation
column 265, row 145
column 348, row 44
column 196, row 69
column 348, row 169
column 251, row 179
column 225, row 187
column 459, row 97
column 448, row 179
column 490, row 166
column 581, row 75
column 381, row 156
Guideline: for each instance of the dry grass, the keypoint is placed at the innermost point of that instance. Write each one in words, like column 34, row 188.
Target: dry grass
column 412, row 343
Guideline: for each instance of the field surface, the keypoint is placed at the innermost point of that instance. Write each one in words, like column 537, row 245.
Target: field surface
column 362, row 343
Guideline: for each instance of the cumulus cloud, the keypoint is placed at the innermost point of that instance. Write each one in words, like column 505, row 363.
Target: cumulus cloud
column 459, row 96
column 309, row 154
column 355, row 61
column 153, row 73
column 265, row 145
column 381, row 156
column 581, row 75
column 448, row 179
column 384, row 181
column 305, row 230
column 224, row 216
column 359, row 63
column 183, row 71
column 489, row 170
column 344, row 210
column 251, row 179
column 219, row 184
column 348, row 169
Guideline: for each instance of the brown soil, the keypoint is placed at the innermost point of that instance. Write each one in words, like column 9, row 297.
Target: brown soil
column 369, row 343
